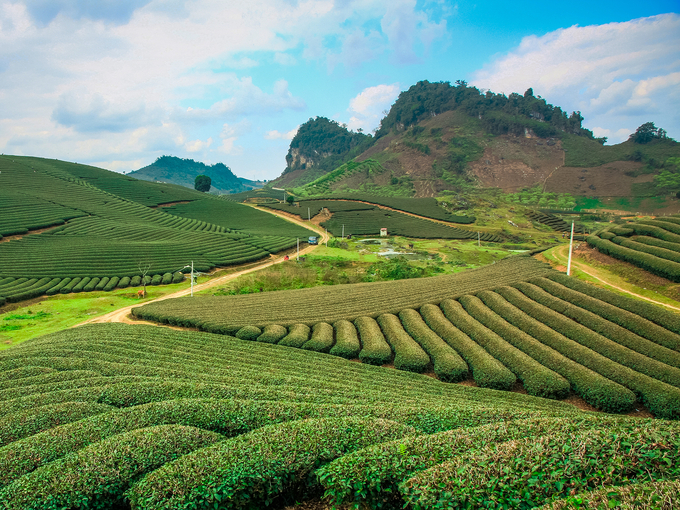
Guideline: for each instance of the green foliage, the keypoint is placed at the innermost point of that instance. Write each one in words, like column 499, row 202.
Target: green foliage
column 499, row 114
column 322, row 338
column 537, row 198
column 253, row 469
column 648, row 132
column 272, row 334
column 100, row 473
column 447, row 364
column 347, row 343
column 374, row 348
column 542, row 342
column 472, row 479
column 487, row 371
column 202, row 183
column 408, row 355
column 297, row 336
column 248, row 333
column 664, row 494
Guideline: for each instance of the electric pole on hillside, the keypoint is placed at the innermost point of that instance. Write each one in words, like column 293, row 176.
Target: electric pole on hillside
column 571, row 242
column 298, row 250
column 192, row 277
column 309, row 217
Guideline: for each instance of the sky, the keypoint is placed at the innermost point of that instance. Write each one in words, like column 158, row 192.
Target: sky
column 118, row 83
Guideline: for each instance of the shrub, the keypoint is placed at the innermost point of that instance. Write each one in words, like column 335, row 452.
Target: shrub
column 623, row 318
column 595, row 389
column 124, row 282
column 374, row 348
column 491, row 376
column 472, row 479
column 538, row 380
column 297, row 336
column 322, row 338
column 662, row 399
column 178, row 277
column 611, row 340
column 91, row 285
column 81, row 285
column 662, row 495
column 156, row 279
column 347, row 340
column 448, row 365
column 99, row 474
column 111, row 284
column 102, row 283
column 68, row 288
column 136, row 281
column 272, row 334
column 653, row 313
column 252, row 470
column 408, row 355
column 248, row 333
column 57, row 288
column 166, row 279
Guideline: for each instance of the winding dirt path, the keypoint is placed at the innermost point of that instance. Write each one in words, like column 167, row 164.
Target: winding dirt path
column 123, row 314
column 562, row 254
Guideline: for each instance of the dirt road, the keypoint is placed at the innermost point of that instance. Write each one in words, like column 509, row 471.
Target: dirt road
column 123, row 314
column 561, row 253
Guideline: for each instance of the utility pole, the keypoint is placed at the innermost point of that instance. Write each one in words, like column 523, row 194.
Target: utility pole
column 298, row 250
column 192, row 278
column 309, row 218
column 343, row 231
column 571, row 242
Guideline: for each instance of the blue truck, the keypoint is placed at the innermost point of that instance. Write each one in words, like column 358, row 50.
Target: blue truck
column 313, row 240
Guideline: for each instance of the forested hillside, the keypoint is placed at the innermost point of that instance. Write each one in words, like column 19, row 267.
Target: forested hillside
column 174, row 170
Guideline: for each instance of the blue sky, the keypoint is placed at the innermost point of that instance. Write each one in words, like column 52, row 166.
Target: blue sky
column 117, row 83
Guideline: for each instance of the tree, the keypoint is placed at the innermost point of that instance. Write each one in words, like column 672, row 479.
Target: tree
column 202, row 183
column 290, row 200
column 647, row 132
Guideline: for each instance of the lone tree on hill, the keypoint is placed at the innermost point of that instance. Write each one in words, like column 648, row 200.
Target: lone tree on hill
column 202, row 183
column 648, row 132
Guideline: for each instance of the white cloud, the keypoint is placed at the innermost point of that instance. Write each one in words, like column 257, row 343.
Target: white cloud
column 278, row 135
column 366, row 108
column 285, row 59
column 198, row 145
column 611, row 72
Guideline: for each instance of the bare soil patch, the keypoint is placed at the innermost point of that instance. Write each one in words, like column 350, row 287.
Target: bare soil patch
column 170, row 204
column 607, row 180
column 30, row 232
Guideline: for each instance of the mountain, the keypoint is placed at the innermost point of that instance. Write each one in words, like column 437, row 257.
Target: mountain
column 440, row 138
column 184, row 171
column 320, row 145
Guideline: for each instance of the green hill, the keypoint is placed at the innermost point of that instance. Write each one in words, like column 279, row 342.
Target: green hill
column 108, row 231
column 169, row 169
column 440, row 139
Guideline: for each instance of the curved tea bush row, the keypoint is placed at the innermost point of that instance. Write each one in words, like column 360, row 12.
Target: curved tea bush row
column 611, row 340
column 408, row 355
column 657, row 314
column 594, row 388
column 653, row 241
column 487, row 371
column 623, row 318
column 656, row 265
column 662, row 495
column 472, row 479
column 448, row 365
column 370, row 475
column 374, row 348
column 347, row 343
column 297, row 336
column 99, row 474
column 33, row 421
column 662, row 399
column 322, row 338
column 657, row 251
column 537, row 379
column 256, row 468
column 272, row 333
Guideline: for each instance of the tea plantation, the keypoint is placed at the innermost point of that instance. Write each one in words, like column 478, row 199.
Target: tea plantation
column 116, row 416
column 651, row 244
column 515, row 321
column 105, row 234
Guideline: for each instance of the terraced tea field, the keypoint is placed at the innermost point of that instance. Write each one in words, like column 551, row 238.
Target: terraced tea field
column 515, row 321
column 110, row 415
column 359, row 218
column 651, row 244
column 102, row 240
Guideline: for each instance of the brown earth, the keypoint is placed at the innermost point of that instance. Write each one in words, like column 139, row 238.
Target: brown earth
column 512, row 162
column 34, row 231
column 608, row 180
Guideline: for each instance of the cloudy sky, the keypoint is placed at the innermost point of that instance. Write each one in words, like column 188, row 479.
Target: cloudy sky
column 117, row 83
